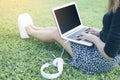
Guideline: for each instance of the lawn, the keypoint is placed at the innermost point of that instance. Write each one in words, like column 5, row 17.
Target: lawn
column 21, row 59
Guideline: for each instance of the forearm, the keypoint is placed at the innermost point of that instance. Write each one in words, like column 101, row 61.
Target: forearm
column 100, row 45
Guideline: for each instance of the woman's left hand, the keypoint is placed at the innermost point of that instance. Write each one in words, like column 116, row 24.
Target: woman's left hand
column 87, row 36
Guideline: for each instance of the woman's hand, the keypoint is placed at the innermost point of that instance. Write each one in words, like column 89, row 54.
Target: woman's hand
column 86, row 36
column 93, row 31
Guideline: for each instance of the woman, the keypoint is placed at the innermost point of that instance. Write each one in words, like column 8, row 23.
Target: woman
column 101, row 57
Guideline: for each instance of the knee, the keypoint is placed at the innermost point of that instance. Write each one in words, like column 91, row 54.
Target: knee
column 56, row 35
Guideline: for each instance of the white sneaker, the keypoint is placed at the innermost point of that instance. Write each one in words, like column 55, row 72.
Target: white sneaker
column 23, row 21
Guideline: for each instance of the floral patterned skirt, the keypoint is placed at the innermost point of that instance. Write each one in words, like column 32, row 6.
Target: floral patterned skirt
column 90, row 60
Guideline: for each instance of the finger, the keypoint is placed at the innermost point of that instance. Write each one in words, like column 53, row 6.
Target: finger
column 88, row 29
column 78, row 38
column 92, row 32
column 79, row 35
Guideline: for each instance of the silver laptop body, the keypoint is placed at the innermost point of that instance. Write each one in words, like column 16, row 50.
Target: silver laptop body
column 69, row 23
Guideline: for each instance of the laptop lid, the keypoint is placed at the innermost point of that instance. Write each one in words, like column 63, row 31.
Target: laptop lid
column 67, row 18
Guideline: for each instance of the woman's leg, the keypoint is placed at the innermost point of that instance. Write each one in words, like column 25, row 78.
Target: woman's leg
column 48, row 35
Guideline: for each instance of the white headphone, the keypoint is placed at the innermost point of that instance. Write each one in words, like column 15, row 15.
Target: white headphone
column 58, row 62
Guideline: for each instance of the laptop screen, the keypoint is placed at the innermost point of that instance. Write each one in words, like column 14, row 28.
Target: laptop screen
column 67, row 18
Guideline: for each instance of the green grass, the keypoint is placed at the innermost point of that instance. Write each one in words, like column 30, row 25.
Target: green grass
column 21, row 59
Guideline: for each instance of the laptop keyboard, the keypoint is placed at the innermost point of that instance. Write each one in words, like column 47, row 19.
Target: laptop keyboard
column 74, row 35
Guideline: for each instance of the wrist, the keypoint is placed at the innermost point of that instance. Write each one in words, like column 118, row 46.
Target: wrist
column 93, row 38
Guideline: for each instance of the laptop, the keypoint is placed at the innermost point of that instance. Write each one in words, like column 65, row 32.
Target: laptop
column 69, row 23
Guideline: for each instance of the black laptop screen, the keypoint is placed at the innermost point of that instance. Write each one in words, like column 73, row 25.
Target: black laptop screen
column 67, row 18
